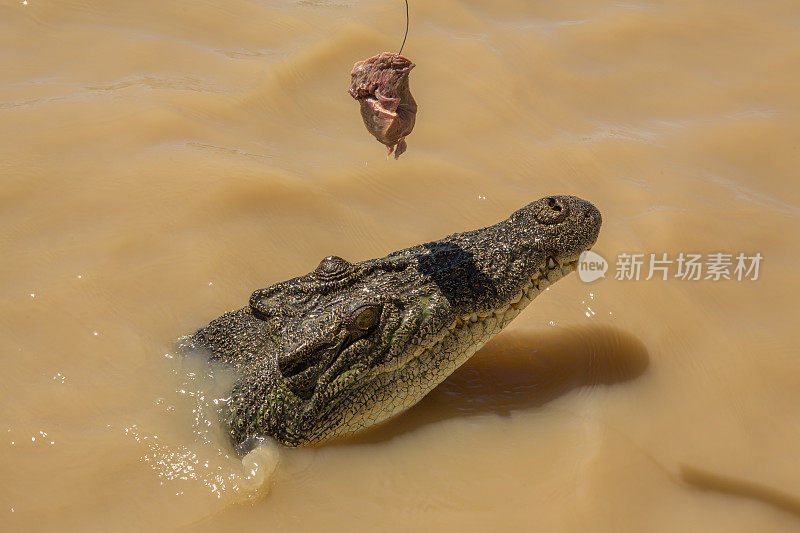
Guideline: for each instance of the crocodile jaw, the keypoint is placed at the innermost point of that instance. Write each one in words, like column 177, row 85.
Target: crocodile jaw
column 399, row 386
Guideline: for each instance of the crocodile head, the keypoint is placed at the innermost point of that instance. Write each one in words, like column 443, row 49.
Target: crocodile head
column 351, row 344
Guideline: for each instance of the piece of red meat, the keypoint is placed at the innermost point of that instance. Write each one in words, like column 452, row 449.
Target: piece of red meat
column 380, row 84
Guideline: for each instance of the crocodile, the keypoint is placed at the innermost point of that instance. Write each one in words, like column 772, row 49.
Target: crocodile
column 349, row 345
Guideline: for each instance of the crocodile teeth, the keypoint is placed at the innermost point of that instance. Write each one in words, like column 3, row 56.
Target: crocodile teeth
column 475, row 325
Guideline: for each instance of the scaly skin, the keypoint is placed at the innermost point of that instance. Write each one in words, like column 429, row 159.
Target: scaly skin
column 350, row 345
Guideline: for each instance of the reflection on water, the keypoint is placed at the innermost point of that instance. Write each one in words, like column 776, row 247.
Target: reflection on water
column 161, row 160
column 525, row 370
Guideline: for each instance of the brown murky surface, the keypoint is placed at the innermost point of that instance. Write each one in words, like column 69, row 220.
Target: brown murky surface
column 160, row 160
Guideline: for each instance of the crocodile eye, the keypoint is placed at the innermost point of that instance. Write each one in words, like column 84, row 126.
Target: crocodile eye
column 365, row 317
column 332, row 268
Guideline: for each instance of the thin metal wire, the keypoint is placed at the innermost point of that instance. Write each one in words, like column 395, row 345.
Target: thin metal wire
column 406, row 34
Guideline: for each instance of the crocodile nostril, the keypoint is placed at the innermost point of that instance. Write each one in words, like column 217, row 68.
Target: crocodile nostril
column 554, row 204
column 550, row 210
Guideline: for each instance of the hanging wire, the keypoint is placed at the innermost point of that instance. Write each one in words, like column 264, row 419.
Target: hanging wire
column 406, row 34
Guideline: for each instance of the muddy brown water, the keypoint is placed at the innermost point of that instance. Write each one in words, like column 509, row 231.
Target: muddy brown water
column 161, row 160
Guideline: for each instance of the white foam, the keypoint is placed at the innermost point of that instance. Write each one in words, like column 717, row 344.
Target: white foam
column 259, row 467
